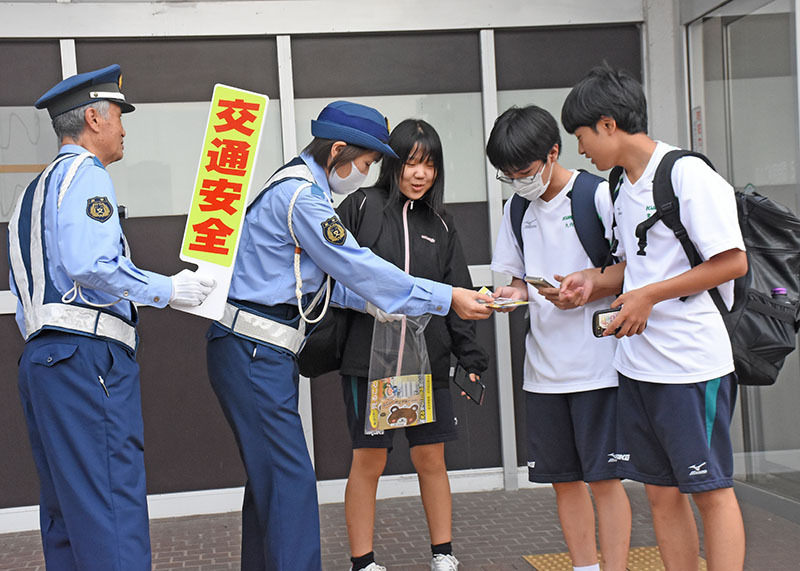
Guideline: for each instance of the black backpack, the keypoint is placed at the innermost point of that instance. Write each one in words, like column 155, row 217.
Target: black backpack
column 588, row 225
column 762, row 329
column 324, row 346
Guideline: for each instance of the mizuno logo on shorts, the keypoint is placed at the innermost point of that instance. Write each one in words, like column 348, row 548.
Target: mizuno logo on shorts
column 613, row 457
column 697, row 469
column 531, row 465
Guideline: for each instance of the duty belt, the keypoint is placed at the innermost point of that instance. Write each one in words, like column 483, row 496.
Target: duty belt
column 87, row 321
column 261, row 328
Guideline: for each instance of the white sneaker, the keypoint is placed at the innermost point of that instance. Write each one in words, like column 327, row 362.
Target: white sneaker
column 444, row 563
column 375, row 567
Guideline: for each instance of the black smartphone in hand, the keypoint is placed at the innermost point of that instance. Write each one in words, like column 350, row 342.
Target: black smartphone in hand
column 601, row 319
column 474, row 390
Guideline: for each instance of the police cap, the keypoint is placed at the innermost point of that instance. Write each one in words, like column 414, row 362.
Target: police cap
column 83, row 89
column 354, row 123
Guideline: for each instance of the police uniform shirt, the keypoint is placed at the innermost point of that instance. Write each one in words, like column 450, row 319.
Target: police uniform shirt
column 264, row 270
column 84, row 243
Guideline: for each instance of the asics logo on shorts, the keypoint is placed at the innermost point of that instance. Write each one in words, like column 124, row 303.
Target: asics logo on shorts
column 614, row 457
column 697, row 469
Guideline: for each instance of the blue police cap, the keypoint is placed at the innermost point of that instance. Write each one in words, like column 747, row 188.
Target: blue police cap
column 83, row 89
column 354, row 123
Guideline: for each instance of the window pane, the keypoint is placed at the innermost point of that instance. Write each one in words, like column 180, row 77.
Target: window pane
column 171, row 83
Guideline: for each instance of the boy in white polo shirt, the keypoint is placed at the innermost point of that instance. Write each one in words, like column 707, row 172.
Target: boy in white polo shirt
column 569, row 381
column 677, row 388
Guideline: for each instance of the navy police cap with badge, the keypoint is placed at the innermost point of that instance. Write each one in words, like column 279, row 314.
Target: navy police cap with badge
column 83, row 89
column 354, row 123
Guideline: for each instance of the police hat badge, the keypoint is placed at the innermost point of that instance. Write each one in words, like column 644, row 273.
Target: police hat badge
column 83, row 89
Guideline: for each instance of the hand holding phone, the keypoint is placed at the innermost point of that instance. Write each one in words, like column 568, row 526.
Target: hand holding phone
column 537, row 282
column 601, row 319
column 473, row 390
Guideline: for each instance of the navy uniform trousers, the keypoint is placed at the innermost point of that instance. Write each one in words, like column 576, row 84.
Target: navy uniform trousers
column 87, row 442
column 257, row 388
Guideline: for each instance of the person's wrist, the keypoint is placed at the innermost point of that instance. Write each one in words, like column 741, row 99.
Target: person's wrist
column 650, row 294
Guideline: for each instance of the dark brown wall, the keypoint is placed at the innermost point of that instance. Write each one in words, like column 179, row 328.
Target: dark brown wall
column 386, row 64
column 188, row 443
column 560, row 57
column 550, row 58
column 169, row 70
column 27, row 70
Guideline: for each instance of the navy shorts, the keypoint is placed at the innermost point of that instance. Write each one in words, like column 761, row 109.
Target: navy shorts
column 571, row 436
column 676, row 435
column 442, row 429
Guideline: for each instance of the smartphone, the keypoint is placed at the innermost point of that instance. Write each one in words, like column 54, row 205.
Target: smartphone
column 474, row 390
column 601, row 319
column 538, row 282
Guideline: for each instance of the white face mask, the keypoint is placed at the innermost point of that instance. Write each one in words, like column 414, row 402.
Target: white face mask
column 348, row 184
column 531, row 187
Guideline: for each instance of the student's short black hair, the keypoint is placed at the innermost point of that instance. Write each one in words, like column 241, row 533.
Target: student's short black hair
column 414, row 139
column 520, row 136
column 606, row 92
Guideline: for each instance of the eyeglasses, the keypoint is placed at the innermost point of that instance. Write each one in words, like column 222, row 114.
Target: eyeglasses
column 522, row 180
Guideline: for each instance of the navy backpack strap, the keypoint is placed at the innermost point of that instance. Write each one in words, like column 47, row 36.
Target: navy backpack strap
column 667, row 206
column 668, row 211
column 588, row 224
column 518, row 207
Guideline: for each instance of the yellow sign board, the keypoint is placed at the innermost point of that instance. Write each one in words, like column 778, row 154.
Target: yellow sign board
column 219, row 199
column 223, row 178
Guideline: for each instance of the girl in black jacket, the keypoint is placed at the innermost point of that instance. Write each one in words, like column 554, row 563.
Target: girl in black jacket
column 418, row 236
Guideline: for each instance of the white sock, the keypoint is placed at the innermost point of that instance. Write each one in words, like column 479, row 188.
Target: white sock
column 595, row 567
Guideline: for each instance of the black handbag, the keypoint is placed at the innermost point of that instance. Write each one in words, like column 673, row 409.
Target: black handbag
column 324, row 345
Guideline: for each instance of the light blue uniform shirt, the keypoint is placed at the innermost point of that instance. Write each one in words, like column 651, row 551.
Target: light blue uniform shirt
column 264, row 269
column 82, row 249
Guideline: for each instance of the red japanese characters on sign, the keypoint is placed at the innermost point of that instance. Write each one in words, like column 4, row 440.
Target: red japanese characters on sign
column 226, row 159
column 211, row 235
column 222, row 183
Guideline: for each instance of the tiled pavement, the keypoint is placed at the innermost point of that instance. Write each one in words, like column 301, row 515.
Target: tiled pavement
column 492, row 531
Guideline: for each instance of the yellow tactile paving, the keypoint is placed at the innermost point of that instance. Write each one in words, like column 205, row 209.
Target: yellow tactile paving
column 639, row 559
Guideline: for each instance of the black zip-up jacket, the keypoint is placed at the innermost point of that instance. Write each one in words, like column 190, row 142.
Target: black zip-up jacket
column 435, row 253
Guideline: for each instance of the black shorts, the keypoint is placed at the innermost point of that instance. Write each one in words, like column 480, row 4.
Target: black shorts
column 571, row 436
column 442, row 429
column 676, row 434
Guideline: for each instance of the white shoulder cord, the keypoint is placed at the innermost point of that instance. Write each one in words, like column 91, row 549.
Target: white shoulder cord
column 298, row 289
column 75, row 290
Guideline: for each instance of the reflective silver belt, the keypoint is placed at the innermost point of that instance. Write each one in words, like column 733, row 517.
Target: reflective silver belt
column 85, row 320
column 263, row 328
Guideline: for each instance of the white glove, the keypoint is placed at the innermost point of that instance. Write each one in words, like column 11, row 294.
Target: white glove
column 190, row 289
column 380, row 314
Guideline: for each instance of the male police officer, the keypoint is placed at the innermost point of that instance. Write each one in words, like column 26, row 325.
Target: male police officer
column 78, row 377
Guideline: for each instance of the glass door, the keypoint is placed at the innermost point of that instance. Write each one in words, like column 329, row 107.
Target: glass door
column 744, row 116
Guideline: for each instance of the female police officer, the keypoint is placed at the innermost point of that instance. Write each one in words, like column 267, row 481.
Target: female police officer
column 291, row 238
